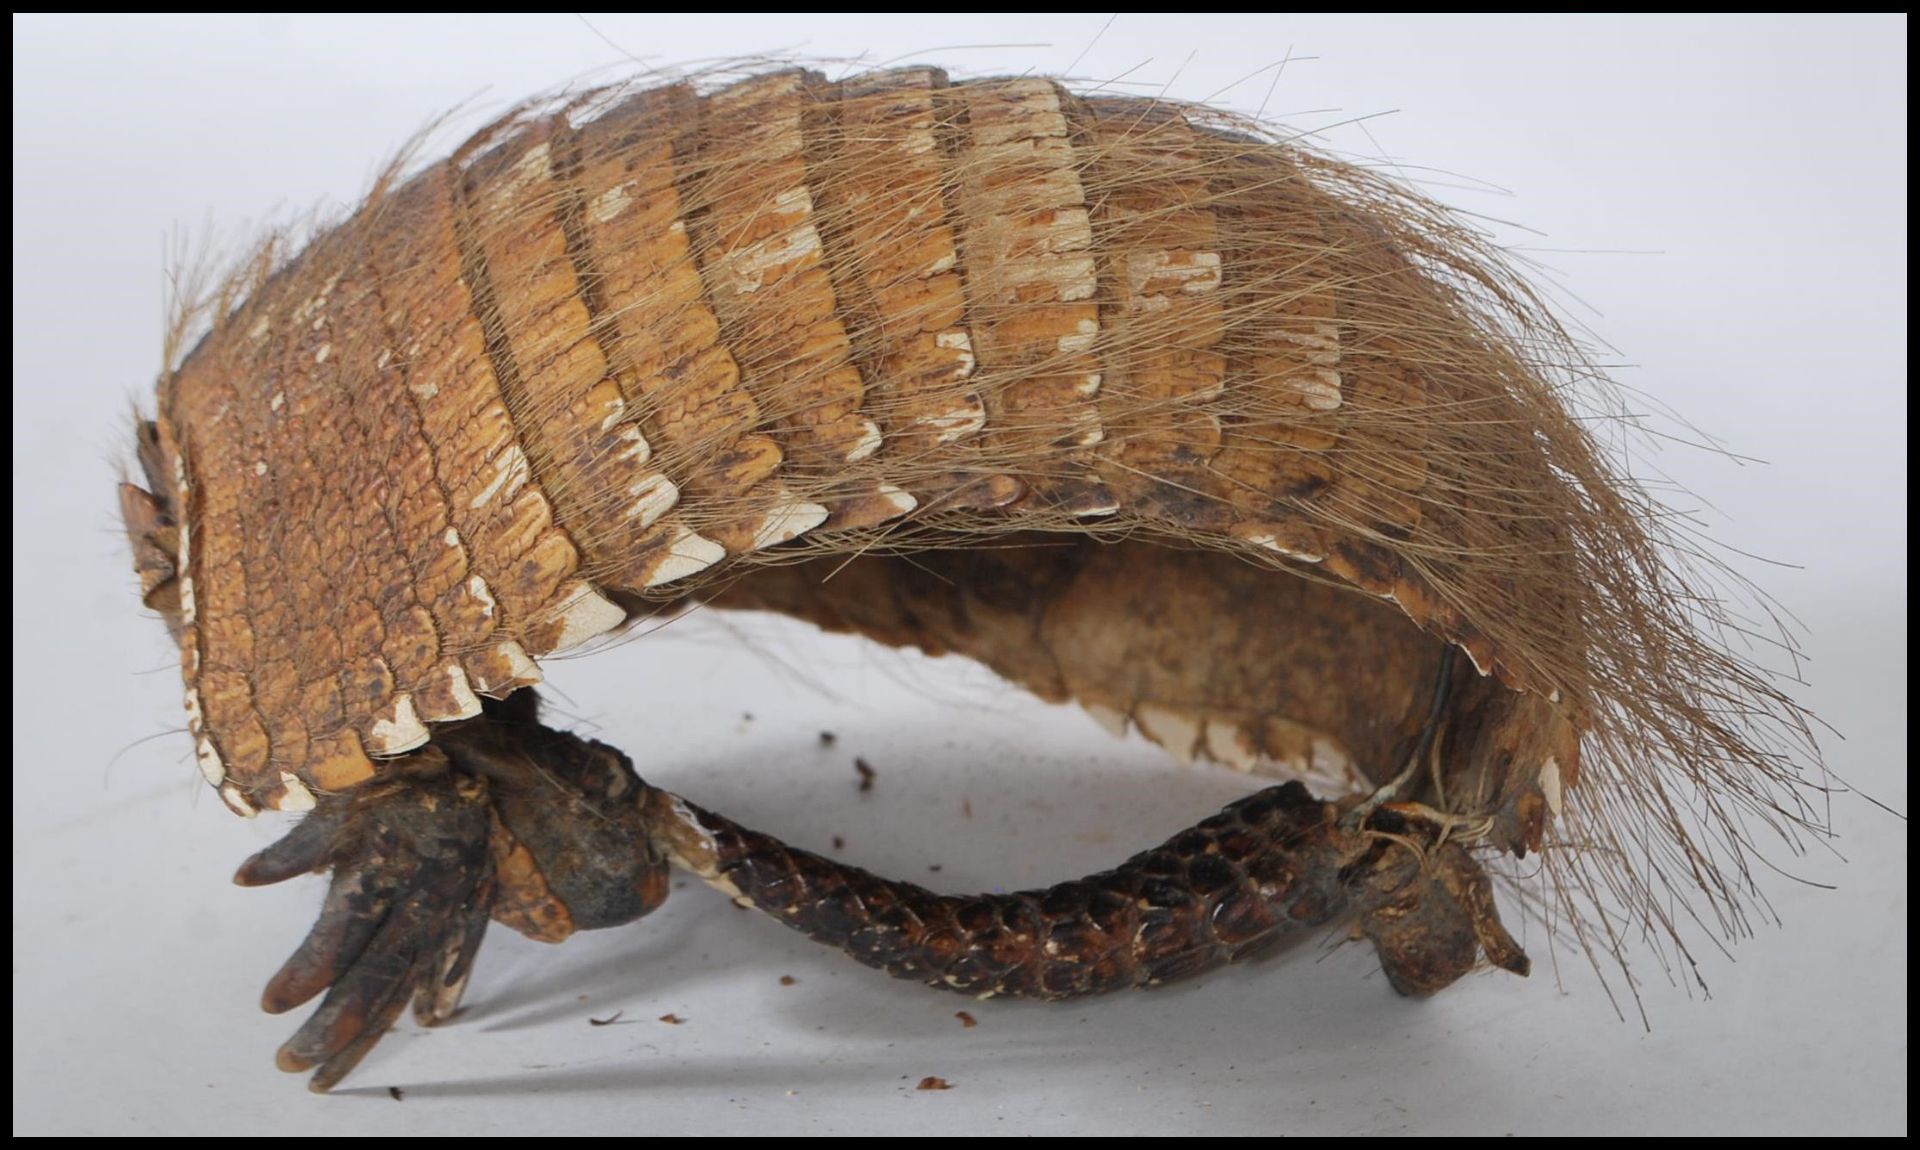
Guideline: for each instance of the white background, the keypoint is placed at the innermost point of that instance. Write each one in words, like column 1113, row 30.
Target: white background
column 1725, row 201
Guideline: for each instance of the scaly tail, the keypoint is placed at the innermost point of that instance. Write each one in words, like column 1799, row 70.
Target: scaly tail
column 1273, row 863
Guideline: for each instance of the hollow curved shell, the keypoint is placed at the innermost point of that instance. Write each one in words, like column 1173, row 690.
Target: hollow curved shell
column 643, row 346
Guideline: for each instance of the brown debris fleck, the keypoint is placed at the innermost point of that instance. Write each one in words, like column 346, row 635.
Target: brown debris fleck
column 967, row 1021
column 828, row 738
column 866, row 774
column 672, row 1019
column 607, row 1021
column 788, row 980
column 839, row 843
column 934, row 1082
column 395, row 1093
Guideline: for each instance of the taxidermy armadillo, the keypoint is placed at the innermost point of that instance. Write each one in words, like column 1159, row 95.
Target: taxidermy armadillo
column 1130, row 400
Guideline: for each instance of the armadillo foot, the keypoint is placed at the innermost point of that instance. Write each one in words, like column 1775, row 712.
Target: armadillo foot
column 411, row 890
column 498, row 817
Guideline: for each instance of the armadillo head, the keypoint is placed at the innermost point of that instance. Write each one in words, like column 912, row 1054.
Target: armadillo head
column 159, row 525
column 152, row 519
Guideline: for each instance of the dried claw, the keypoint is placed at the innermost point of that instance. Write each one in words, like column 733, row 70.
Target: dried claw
column 1473, row 890
column 350, row 1042
column 382, row 975
column 439, row 995
column 302, row 850
column 405, row 913
column 349, row 1056
column 347, row 922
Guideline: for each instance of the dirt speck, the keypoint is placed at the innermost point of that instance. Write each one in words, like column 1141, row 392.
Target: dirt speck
column 395, row 1093
column 607, row 1021
column 967, row 1021
column 672, row 1019
column 934, row 1082
column 865, row 770
column 788, row 980
column 828, row 738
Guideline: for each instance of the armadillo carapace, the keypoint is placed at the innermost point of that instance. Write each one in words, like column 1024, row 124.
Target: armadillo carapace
column 1135, row 402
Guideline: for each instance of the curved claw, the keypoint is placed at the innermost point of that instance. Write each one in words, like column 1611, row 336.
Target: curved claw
column 411, row 893
column 438, row 995
column 302, row 850
column 346, row 924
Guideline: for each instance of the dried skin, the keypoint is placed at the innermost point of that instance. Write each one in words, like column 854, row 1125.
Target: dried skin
column 651, row 344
